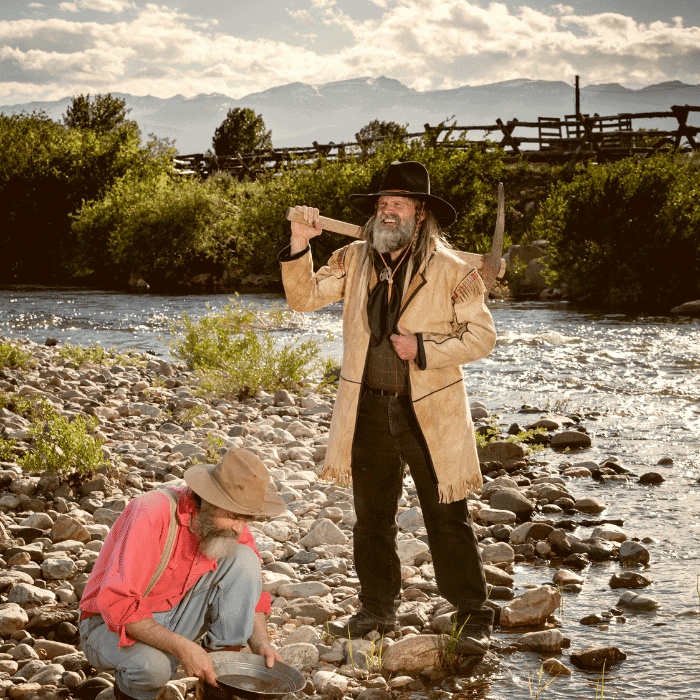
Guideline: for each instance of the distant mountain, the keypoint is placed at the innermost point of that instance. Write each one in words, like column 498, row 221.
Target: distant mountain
column 299, row 114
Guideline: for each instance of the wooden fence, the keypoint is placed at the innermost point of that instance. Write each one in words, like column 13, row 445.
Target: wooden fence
column 573, row 138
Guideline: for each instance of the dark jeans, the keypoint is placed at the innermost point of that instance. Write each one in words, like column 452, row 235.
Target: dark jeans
column 387, row 438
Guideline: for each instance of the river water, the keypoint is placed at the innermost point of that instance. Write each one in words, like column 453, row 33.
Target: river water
column 636, row 381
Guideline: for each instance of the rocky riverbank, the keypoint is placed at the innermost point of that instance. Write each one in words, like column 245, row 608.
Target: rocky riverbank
column 153, row 425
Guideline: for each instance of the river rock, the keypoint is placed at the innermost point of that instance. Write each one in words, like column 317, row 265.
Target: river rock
column 412, row 654
column 597, row 658
column 564, row 577
column 690, row 308
column 513, row 501
column 320, row 609
column 629, row 579
column 547, row 641
column 498, row 553
column 306, row 634
column 68, row 528
column 410, row 548
column 301, row 654
column 58, row 568
column 411, row 518
column 531, row 608
column 324, row 533
column 329, row 684
column 651, row 479
column 304, row 589
column 507, row 453
column 497, row 577
column 24, row 593
column 49, row 675
column 12, row 619
column 493, row 516
column 554, row 667
column 572, row 439
column 609, row 532
column 530, row 530
column 633, row 553
column 590, row 505
column 634, row 601
column 54, row 649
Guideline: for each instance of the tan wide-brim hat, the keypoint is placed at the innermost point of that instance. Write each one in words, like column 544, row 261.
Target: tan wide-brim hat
column 239, row 483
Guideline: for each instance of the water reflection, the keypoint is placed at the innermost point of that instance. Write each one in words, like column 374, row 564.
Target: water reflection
column 635, row 382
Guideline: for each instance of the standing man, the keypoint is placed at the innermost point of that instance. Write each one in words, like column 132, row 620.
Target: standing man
column 144, row 628
column 413, row 314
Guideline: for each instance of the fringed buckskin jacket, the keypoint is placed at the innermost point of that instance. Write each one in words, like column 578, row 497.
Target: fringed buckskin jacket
column 444, row 303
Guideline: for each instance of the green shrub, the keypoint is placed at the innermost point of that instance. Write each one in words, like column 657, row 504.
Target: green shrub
column 465, row 178
column 7, row 449
column 159, row 226
column 233, row 359
column 47, row 171
column 13, row 357
column 63, row 446
column 627, row 234
column 96, row 354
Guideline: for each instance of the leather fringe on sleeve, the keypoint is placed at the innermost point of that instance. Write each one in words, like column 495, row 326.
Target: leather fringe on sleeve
column 336, row 263
column 470, row 287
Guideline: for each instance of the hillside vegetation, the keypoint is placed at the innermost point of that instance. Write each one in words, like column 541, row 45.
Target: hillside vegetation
column 82, row 204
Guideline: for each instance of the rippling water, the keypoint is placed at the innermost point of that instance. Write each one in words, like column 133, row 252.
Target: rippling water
column 635, row 378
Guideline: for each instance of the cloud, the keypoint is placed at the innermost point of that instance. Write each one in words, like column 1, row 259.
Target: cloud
column 116, row 6
column 423, row 43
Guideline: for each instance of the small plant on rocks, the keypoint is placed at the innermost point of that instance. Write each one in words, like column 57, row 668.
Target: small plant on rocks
column 96, row 354
column 235, row 357
column 7, row 449
column 449, row 660
column 13, row 357
column 63, row 446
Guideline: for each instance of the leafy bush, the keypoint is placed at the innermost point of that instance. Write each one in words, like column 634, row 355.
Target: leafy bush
column 63, row 446
column 46, row 172
column 12, row 356
column 235, row 360
column 156, row 225
column 7, row 449
column 627, row 234
column 465, row 178
column 99, row 355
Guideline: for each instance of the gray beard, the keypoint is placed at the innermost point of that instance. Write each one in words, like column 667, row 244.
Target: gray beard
column 214, row 542
column 389, row 240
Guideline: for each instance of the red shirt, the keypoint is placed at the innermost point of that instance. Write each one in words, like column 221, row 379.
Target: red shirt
column 131, row 554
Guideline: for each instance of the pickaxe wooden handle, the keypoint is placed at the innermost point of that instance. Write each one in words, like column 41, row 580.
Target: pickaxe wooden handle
column 483, row 263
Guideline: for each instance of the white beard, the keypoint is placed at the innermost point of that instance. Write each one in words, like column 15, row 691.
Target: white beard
column 218, row 547
column 386, row 239
column 214, row 542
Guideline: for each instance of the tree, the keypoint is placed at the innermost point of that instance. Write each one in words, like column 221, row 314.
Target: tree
column 241, row 132
column 375, row 128
column 103, row 114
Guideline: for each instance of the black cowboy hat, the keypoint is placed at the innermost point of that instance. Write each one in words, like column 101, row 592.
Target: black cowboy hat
column 409, row 179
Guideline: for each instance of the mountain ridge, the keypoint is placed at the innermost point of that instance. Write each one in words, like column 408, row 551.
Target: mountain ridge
column 299, row 113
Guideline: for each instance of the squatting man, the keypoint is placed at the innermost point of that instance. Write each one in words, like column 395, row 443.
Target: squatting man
column 413, row 313
column 208, row 597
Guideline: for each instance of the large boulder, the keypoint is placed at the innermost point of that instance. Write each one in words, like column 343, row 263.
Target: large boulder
column 531, row 608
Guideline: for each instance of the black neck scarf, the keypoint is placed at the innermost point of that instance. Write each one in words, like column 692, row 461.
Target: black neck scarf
column 382, row 312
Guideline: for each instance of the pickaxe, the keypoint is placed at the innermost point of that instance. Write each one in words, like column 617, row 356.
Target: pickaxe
column 490, row 266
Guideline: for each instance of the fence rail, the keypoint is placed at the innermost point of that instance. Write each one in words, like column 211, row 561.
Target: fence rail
column 576, row 137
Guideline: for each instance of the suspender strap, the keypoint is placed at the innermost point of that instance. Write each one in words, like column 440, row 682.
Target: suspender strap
column 169, row 542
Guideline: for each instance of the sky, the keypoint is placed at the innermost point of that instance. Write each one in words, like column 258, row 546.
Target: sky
column 51, row 49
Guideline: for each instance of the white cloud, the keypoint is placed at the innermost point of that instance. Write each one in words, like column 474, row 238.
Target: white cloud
column 116, row 6
column 424, row 43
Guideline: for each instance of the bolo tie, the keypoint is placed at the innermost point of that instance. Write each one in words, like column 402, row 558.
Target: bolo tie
column 387, row 274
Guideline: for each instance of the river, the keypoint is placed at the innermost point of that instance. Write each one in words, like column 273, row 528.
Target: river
column 636, row 381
